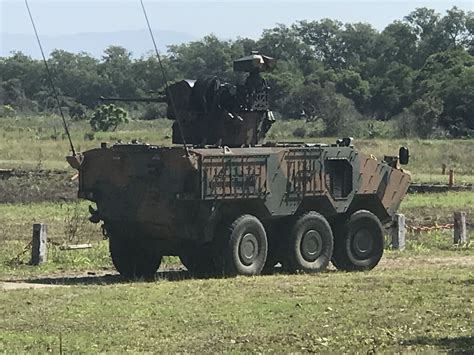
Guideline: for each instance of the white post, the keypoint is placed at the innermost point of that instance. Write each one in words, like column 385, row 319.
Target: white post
column 398, row 232
column 39, row 248
column 460, row 228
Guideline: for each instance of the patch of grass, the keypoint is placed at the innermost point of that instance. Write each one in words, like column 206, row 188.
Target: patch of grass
column 457, row 200
column 432, row 243
column 67, row 224
column 443, row 179
column 416, row 310
column 16, row 220
column 437, row 208
column 15, row 257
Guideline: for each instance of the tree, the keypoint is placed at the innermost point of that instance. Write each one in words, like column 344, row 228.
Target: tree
column 398, row 42
column 360, row 41
column 426, row 113
column 351, row 85
column 13, row 93
column 116, row 69
column 322, row 102
column 454, row 29
column 30, row 72
column 207, row 57
column 325, row 40
column 424, row 23
column 108, row 117
column 284, row 79
column 147, row 73
column 284, row 43
column 449, row 76
column 392, row 91
column 77, row 77
column 458, row 110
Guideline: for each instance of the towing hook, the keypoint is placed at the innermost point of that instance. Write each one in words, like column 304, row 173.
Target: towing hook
column 95, row 217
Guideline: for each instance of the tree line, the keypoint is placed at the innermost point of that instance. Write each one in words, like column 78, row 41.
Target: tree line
column 417, row 71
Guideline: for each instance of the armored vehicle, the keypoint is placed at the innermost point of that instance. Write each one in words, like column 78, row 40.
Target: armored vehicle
column 227, row 203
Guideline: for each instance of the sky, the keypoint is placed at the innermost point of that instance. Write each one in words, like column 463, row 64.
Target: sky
column 225, row 18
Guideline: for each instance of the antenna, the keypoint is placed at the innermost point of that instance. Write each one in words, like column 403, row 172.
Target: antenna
column 51, row 83
column 173, row 107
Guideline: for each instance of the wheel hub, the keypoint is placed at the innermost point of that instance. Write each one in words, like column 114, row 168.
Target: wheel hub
column 362, row 243
column 248, row 249
column 311, row 245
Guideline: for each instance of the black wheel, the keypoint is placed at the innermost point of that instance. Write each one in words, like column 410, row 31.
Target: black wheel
column 198, row 260
column 241, row 247
column 134, row 258
column 309, row 244
column 359, row 242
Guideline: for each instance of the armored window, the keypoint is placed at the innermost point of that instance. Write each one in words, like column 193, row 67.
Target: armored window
column 338, row 177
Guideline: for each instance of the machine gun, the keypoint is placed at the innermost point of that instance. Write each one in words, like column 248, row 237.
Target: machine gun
column 211, row 112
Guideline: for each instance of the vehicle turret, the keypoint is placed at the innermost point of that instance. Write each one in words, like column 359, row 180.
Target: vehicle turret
column 209, row 111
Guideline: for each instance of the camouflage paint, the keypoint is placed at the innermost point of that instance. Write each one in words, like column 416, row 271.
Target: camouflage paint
column 164, row 194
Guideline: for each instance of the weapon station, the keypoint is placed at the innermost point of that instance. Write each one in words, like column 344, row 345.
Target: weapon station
column 216, row 113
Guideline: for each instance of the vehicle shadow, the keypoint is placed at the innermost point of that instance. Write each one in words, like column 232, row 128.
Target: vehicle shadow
column 172, row 275
column 104, row 279
column 456, row 345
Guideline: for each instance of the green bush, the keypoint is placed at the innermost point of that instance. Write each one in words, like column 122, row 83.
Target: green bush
column 108, row 117
column 7, row 111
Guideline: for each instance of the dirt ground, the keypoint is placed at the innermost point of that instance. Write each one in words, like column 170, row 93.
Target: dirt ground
column 104, row 277
column 27, row 186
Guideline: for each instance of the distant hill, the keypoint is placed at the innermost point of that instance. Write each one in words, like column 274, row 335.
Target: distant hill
column 138, row 42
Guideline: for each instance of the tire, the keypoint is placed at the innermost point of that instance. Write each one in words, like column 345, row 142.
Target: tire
column 309, row 244
column 198, row 260
column 359, row 242
column 133, row 258
column 241, row 247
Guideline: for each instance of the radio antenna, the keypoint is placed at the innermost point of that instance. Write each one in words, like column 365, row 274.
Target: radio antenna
column 50, row 78
column 163, row 73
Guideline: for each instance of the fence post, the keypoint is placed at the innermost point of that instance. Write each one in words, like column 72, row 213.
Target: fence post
column 460, row 228
column 39, row 244
column 398, row 232
column 451, row 178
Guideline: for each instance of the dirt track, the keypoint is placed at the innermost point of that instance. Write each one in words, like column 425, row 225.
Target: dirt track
column 178, row 273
